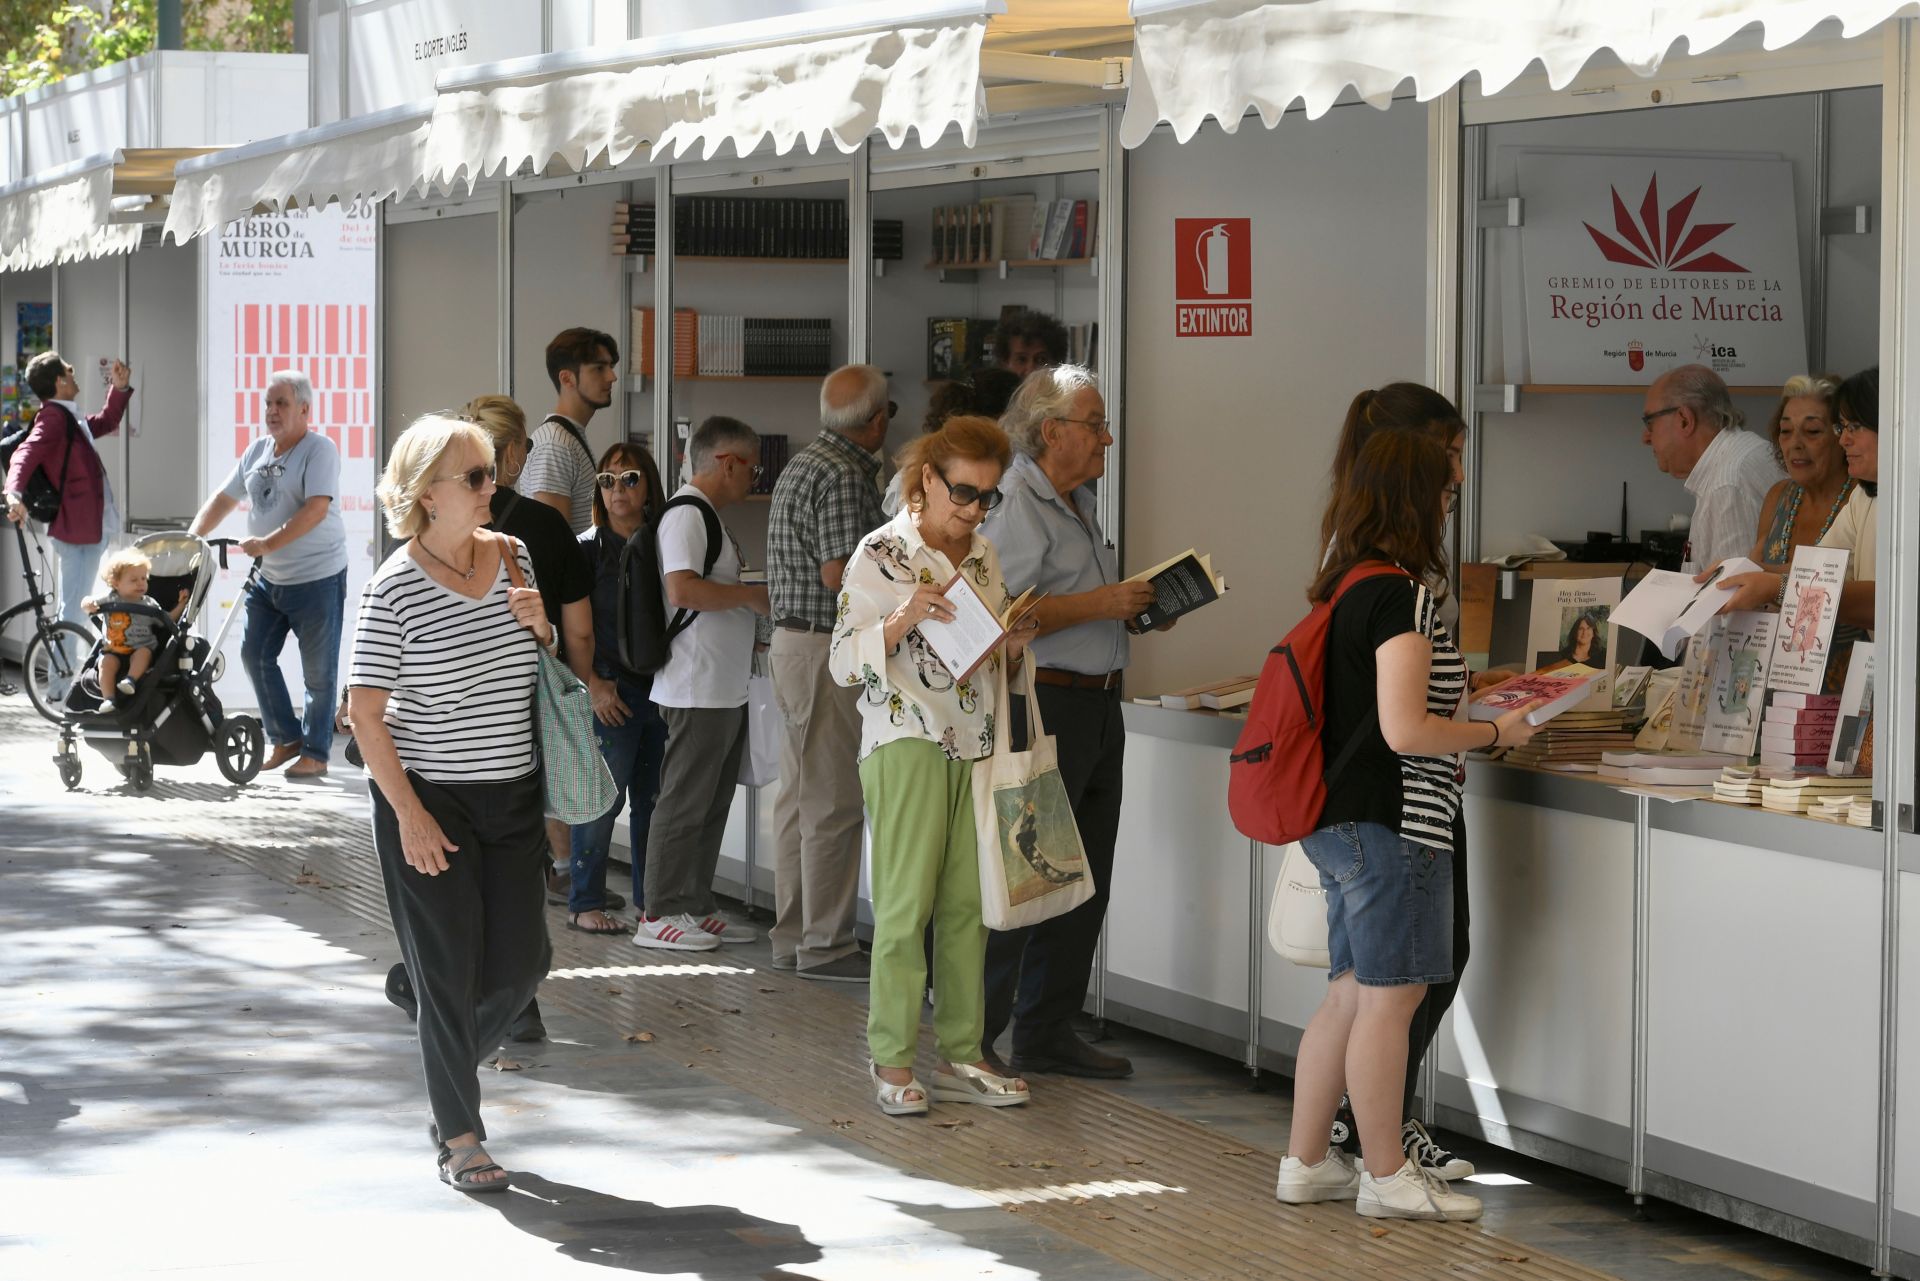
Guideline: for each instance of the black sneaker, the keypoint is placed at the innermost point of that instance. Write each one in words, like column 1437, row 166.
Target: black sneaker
column 1430, row 1156
column 1346, row 1130
column 528, row 1027
column 400, row 992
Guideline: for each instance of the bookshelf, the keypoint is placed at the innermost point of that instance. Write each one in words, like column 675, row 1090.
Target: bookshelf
column 1005, row 266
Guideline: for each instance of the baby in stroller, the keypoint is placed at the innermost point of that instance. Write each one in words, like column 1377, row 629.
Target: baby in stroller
column 130, row 635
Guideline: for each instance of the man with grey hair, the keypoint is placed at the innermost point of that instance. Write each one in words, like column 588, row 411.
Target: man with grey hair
column 1696, row 436
column 1049, row 539
column 826, row 500
column 290, row 478
column 701, row 691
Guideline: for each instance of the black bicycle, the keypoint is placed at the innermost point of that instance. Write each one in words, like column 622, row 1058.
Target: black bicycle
column 58, row 649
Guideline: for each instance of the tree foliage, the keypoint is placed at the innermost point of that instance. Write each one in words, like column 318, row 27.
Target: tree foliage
column 49, row 40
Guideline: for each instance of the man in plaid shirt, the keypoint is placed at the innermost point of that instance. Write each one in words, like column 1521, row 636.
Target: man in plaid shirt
column 826, row 500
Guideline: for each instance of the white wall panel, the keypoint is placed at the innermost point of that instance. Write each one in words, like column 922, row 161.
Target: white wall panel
column 164, row 353
column 441, row 309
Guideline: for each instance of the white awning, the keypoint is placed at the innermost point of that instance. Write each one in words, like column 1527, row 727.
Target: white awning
column 1200, row 58
column 369, row 158
column 87, row 209
column 889, row 68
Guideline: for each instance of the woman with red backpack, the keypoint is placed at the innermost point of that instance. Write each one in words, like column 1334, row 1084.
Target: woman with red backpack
column 1384, row 846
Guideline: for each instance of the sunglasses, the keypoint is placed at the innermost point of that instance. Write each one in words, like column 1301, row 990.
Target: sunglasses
column 748, row 463
column 967, row 495
column 474, row 478
column 626, row 479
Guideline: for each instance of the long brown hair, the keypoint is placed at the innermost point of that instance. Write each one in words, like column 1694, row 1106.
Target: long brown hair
column 1390, row 504
column 628, row 456
column 1394, row 407
column 967, row 437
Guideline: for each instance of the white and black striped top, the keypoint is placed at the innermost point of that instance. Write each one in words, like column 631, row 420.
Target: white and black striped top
column 460, row 671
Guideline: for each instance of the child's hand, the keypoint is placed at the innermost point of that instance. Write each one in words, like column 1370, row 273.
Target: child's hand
column 90, row 605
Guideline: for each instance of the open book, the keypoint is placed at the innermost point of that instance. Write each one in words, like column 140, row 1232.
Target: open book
column 1668, row 608
column 976, row 629
column 1180, row 586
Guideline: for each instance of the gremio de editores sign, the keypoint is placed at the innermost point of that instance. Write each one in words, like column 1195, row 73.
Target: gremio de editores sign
column 1633, row 264
column 1213, row 277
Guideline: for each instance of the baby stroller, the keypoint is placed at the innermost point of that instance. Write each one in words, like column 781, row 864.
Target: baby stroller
column 173, row 716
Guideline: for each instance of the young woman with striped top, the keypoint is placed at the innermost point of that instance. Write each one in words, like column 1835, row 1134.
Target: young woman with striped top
column 1384, row 849
column 442, row 686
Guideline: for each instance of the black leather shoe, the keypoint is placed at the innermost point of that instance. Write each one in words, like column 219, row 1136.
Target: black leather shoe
column 400, row 992
column 527, row 1026
column 1065, row 1054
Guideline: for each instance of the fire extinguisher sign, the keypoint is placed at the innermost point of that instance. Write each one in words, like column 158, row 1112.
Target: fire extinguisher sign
column 1213, row 277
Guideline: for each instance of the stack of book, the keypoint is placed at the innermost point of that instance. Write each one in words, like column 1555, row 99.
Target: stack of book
column 686, row 342
column 1860, row 813
column 1742, row 784
column 752, row 227
column 1663, row 769
column 1797, row 730
column 1574, row 738
column 1218, row 696
column 773, row 460
column 1018, row 228
column 1797, row 794
column 1836, row 808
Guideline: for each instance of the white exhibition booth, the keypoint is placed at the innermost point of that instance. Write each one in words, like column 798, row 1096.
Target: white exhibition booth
column 1698, row 1001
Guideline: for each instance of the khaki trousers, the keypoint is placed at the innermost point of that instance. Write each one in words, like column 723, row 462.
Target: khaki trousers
column 817, row 813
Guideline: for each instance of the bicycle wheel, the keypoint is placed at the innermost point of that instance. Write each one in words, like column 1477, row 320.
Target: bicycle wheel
column 52, row 663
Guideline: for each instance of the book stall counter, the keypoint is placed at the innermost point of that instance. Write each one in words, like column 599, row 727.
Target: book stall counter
column 1649, row 983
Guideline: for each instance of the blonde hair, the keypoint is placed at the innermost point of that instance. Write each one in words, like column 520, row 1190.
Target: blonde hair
column 120, row 562
column 500, row 418
column 411, row 466
column 967, row 437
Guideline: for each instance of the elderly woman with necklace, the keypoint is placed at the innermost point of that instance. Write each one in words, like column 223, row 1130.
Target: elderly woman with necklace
column 445, row 653
column 1800, row 510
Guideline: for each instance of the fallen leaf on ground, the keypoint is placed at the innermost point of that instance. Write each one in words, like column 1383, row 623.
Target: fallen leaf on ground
column 768, row 989
column 1040, row 1165
column 1148, row 1209
column 1094, row 1164
column 1008, row 1165
column 310, row 877
column 1080, row 1200
column 506, row 1065
column 1514, row 1258
column 613, row 991
column 642, row 1037
column 1011, row 1209
column 952, row 1125
column 708, row 1049
column 1107, row 1217
column 1236, row 1151
column 686, row 1025
column 1379, row 1232
column 840, row 1124
column 1136, row 1160
column 731, row 1009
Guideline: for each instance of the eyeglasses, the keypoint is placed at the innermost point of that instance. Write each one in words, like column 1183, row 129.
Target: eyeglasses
column 626, row 479
column 474, row 478
column 1845, row 425
column 1098, row 426
column 1646, row 420
column 749, row 464
column 967, row 495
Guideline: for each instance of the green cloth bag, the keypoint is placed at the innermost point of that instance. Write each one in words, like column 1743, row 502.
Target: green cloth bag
column 579, row 786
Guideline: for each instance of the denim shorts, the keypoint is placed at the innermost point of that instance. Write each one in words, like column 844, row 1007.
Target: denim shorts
column 1389, row 904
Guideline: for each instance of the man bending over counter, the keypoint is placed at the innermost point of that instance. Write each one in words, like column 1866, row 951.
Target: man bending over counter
column 1696, row 436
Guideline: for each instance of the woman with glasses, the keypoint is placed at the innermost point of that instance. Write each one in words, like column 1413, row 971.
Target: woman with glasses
column 445, row 652
column 632, row 736
column 921, row 731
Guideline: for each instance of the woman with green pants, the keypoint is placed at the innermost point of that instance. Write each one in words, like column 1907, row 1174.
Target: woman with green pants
column 921, row 731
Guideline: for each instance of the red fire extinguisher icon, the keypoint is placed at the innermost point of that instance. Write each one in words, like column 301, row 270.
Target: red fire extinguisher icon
column 1210, row 251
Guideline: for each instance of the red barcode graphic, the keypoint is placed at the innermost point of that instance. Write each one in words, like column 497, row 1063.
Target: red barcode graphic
column 331, row 343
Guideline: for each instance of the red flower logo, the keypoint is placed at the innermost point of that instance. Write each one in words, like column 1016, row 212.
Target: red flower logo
column 1663, row 244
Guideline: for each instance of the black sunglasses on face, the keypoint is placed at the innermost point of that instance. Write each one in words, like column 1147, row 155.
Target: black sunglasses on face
column 474, row 478
column 626, row 479
column 967, row 495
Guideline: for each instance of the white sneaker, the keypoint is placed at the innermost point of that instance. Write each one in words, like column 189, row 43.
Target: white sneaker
column 1431, row 1157
column 726, row 931
column 1412, row 1193
column 1334, row 1179
column 674, row 933
column 125, row 686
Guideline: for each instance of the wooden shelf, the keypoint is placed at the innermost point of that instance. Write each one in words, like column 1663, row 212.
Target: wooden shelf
column 1006, row 265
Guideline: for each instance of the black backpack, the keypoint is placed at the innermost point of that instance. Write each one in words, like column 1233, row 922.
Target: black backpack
column 646, row 633
column 42, row 496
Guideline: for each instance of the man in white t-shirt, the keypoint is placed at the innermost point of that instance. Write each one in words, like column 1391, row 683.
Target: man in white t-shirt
column 701, row 692
column 1690, row 425
column 584, row 365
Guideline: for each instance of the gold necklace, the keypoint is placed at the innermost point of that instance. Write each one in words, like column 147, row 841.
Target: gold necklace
column 466, row 573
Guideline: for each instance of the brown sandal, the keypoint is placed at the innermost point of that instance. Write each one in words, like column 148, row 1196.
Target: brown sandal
column 611, row 927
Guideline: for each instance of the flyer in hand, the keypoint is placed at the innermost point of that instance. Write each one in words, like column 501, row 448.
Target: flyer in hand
column 976, row 630
column 1668, row 608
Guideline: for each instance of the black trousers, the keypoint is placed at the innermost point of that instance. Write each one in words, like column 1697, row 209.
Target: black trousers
column 1037, row 976
column 1439, row 997
column 474, row 938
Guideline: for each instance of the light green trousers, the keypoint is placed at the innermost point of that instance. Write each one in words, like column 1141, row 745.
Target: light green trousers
column 925, row 867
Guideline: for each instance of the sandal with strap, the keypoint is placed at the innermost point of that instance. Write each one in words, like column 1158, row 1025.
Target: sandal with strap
column 611, row 926
column 893, row 1098
column 965, row 1083
column 461, row 1167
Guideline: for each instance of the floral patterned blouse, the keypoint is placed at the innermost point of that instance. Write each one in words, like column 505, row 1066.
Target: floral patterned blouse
column 908, row 693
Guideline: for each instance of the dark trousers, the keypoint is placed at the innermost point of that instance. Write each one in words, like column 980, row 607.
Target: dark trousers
column 1037, row 976
column 698, row 773
column 1439, row 998
column 474, row 938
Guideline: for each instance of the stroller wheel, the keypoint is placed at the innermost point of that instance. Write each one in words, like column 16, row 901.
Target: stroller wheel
column 241, row 749
column 68, row 762
column 140, row 769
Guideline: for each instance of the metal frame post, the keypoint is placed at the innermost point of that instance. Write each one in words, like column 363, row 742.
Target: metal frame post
column 860, row 255
column 1256, row 953
column 1642, row 926
column 503, row 249
column 663, row 250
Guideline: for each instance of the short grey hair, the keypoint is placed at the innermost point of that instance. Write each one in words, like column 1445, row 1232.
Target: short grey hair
column 1045, row 393
column 859, row 409
column 720, row 435
column 302, row 386
column 1704, row 392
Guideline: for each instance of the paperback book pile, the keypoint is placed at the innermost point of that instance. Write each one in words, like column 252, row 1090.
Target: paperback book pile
column 1742, row 784
column 1574, row 738
column 752, row 227
column 1219, row 696
column 1663, row 769
column 1797, row 730
column 1840, row 808
column 1021, row 228
column 1860, row 813
column 1797, row 793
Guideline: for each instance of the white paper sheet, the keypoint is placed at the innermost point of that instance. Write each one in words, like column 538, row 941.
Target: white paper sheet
column 1667, row 608
column 974, row 631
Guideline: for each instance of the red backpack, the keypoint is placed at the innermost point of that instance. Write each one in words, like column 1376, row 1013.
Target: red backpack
column 1277, row 775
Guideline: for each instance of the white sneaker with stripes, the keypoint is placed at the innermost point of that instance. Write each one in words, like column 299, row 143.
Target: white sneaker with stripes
column 726, row 931
column 674, row 933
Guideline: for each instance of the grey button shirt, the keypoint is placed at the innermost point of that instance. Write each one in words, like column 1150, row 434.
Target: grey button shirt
column 1043, row 544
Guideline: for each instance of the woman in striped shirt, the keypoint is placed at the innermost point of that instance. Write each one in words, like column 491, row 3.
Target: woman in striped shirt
column 442, row 687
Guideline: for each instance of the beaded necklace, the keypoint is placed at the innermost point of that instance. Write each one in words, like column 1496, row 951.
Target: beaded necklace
column 1833, row 513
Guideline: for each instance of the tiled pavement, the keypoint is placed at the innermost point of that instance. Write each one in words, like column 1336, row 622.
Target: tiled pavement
column 199, row 1077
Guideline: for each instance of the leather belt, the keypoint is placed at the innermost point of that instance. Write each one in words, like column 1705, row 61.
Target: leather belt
column 793, row 624
column 1076, row 680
